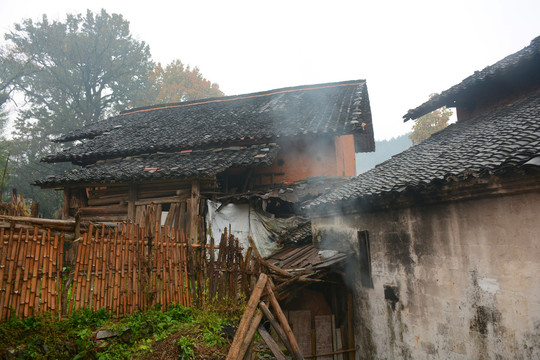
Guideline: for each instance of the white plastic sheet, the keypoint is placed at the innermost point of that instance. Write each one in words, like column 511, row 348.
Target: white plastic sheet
column 246, row 221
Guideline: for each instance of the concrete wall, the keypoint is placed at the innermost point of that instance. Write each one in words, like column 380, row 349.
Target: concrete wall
column 451, row 281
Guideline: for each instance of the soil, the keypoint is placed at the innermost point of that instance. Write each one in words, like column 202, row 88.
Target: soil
column 168, row 349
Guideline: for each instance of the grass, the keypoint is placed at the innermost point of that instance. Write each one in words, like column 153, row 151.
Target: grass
column 74, row 338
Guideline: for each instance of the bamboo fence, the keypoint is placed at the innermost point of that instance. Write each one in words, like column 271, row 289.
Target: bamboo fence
column 123, row 268
column 31, row 263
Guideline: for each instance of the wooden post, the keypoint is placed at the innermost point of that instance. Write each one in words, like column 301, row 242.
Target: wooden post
column 269, row 340
column 65, row 204
column 132, row 197
column 195, row 198
column 284, row 324
column 350, row 324
column 246, row 341
column 276, row 326
column 245, row 322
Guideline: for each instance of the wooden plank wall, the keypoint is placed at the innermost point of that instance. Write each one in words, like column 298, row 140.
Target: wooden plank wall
column 122, row 268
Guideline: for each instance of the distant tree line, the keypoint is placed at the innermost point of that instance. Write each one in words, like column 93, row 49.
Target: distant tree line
column 61, row 75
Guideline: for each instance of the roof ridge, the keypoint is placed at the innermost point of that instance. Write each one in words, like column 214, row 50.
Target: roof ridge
column 244, row 96
column 478, row 76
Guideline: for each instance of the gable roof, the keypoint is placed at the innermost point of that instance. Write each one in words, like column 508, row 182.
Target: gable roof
column 333, row 108
column 505, row 139
column 161, row 166
column 522, row 66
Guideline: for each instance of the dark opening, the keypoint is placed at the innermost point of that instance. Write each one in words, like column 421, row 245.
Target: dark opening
column 365, row 259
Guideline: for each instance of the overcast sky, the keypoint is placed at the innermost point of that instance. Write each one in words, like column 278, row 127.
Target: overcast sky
column 405, row 50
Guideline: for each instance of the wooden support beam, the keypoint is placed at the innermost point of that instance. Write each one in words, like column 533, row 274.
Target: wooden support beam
column 132, row 198
column 275, row 324
column 272, row 345
column 65, row 203
column 245, row 322
column 249, row 334
column 162, row 200
column 284, row 324
column 195, row 198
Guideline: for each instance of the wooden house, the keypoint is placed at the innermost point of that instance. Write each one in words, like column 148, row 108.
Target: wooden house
column 446, row 233
column 177, row 155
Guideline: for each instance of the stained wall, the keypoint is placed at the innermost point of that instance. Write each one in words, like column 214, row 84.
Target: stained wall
column 305, row 157
column 450, row 281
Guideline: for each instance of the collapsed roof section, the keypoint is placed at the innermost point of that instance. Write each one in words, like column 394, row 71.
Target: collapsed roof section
column 324, row 109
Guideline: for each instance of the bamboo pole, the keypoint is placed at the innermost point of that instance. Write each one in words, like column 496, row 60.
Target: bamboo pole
column 85, row 268
column 4, row 261
column 14, row 248
column 74, row 285
column 42, row 296
column 13, row 286
column 122, row 284
column 168, row 253
column 87, row 300
column 59, row 280
column 116, row 284
column 94, row 270
column 19, row 285
column 129, row 268
column 135, row 275
column 105, row 269
column 53, row 265
column 29, row 302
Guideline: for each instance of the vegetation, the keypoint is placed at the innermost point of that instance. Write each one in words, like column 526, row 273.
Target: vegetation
column 429, row 124
column 192, row 333
column 177, row 82
column 75, row 72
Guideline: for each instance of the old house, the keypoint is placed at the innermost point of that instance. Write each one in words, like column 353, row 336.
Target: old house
column 446, row 233
column 195, row 159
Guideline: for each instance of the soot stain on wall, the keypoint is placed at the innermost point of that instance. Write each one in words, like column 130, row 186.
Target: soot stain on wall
column 398, row 251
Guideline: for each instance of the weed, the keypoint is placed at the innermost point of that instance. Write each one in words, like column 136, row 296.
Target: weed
column 186, row 346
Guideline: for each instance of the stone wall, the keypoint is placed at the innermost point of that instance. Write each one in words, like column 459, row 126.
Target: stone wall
column 450, row 281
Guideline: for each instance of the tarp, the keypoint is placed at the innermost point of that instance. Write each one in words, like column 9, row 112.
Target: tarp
column 246, row 221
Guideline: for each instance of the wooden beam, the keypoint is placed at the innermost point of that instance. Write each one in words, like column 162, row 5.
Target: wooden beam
column 132, row 198
column 247, row 318
column 284, row 324
column 249, row 334
column 65, row 204
column 161, row 200
column 272, row 345
column 195, row 198
column 279, row 330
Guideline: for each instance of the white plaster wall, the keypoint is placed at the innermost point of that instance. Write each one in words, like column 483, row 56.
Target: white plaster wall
column 467, row 275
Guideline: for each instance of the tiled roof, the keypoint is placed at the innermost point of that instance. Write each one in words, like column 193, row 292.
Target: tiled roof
column 502, row 139
column 334, row 108
column 300, row 234
column 167, row 165
column 523, row 65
